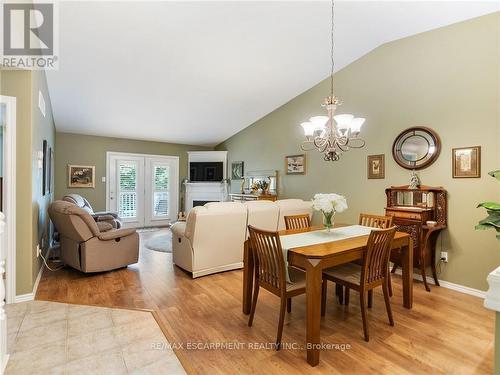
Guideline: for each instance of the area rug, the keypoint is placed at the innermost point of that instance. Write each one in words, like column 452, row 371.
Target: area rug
column 161, row 242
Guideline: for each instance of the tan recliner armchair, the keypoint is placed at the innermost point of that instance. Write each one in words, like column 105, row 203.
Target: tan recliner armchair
column 101, row 216
column 86, row 247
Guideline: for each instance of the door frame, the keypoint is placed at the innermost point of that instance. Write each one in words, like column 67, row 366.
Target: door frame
column 9, row 198
column 175, row 159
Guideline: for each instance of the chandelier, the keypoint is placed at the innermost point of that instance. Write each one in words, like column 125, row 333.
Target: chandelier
column 333, row 134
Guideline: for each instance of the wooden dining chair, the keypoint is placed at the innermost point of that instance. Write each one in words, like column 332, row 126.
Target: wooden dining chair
column 375, row 221
column 373, row 273
column 297, row 221
column 270, row 274
column 380, row 222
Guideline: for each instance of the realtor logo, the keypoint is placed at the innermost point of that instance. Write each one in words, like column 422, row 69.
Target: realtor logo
column 29, row 36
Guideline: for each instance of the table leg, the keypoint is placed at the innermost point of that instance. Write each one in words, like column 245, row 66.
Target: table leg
column 313, row 315
column 407, row 265
column 248, row 273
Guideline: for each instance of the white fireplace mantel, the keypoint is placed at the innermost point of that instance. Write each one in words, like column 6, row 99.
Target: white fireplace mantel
column 492, row 299
column 203, row 191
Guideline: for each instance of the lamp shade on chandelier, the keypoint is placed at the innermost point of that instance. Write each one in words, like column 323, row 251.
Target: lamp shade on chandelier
column 333, row 134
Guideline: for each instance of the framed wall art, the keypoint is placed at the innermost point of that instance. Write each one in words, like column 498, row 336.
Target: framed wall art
column 81, row 176
column 376, row 166
column 466, row 162
column 237, row 170
column 295, row 164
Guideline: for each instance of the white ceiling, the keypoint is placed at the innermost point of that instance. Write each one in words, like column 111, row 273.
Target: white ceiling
column 199, row 72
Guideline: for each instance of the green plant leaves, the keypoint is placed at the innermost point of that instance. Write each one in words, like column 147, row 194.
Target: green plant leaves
column 493, row 209
column 495, row 174
column 491, row 206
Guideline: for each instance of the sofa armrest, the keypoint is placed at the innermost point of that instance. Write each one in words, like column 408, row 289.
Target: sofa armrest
column 117, row 233
column 179, row 228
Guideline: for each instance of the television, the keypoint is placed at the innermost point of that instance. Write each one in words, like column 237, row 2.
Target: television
column 211, row 171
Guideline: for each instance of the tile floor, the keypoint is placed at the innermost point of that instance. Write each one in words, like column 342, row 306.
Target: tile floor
column 57, row 338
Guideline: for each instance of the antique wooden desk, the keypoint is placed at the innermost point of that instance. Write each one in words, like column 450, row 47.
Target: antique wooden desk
column 313, row 259
column 411, row 209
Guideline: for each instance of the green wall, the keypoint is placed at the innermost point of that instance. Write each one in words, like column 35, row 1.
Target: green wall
column 42, row 129
column 446, row 79
column 32, row 128
column 91, row 150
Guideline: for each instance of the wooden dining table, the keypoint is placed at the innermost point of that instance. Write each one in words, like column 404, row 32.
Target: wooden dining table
column 313, row 259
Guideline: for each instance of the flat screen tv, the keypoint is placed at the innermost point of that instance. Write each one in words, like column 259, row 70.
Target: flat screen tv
column 206, row 171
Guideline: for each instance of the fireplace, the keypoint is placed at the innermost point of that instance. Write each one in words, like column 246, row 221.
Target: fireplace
column 201, row 203
column 199, row 193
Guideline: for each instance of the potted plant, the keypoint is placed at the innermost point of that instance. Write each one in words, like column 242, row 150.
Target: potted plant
column 493, row 210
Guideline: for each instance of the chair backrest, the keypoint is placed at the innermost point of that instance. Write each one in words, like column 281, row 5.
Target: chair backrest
column 297, row 221
column 80, row 201
column 72, row 221
column 375, row 221
column 270, row 261
column 378, row 251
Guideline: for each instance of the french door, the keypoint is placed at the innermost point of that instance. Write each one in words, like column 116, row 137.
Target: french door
column 143, row 189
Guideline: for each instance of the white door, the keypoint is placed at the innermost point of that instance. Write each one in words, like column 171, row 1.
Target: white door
column 143, row 189
column 161, row 182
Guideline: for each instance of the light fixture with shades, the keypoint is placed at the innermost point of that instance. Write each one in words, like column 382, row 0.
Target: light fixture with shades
column 333, row 134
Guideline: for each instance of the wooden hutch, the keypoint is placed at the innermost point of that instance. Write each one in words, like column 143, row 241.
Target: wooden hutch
column 412, row 210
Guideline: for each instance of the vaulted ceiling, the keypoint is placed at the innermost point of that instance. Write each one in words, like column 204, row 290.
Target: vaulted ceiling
column 199, row 72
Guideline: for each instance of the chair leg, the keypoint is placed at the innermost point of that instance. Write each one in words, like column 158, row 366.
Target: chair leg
column 394, row 268
column 280, row 323
column 324, row 290
column 389, row 282
column 254, row 302
column 362, row 305
column 370, row 298
column 289, row 305
column 346, row 296
column 339, row 291
column 424, row 277
column 385, row 288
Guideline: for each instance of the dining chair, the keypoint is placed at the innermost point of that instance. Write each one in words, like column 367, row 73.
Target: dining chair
column 304, row 222
column 380, row 222
column 375, row 221
column 270, row 274
column 373, row 273
column 297, row 221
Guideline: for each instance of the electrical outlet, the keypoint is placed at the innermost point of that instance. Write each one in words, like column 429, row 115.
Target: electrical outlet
column 38, row 251
column 444, row 256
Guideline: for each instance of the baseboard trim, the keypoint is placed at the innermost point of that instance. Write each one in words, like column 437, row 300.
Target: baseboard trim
column 446, row 284
column 31, row 296
column 209, row 271
column 3, row 367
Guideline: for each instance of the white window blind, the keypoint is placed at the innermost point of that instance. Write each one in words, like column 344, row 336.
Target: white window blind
column 160, row 190
column 127, row 177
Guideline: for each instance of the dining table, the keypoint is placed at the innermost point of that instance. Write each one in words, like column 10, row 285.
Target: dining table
column 315, row 253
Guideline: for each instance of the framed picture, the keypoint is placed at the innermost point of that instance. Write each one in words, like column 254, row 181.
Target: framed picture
column 81, row 176
column 44, row 167
column 466, row 162
column 50, row 155
column 376, row 166
column 237, row 170
column 295, row 164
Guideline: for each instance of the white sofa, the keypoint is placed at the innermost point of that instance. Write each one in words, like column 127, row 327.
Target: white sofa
column 213, row 236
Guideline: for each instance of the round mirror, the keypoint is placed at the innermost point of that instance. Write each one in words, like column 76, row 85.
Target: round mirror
column 416, row 148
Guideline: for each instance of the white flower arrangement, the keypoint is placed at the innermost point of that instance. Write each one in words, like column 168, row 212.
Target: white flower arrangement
column 329, row 203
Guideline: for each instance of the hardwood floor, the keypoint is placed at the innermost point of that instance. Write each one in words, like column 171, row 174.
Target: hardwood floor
column 446, row 332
